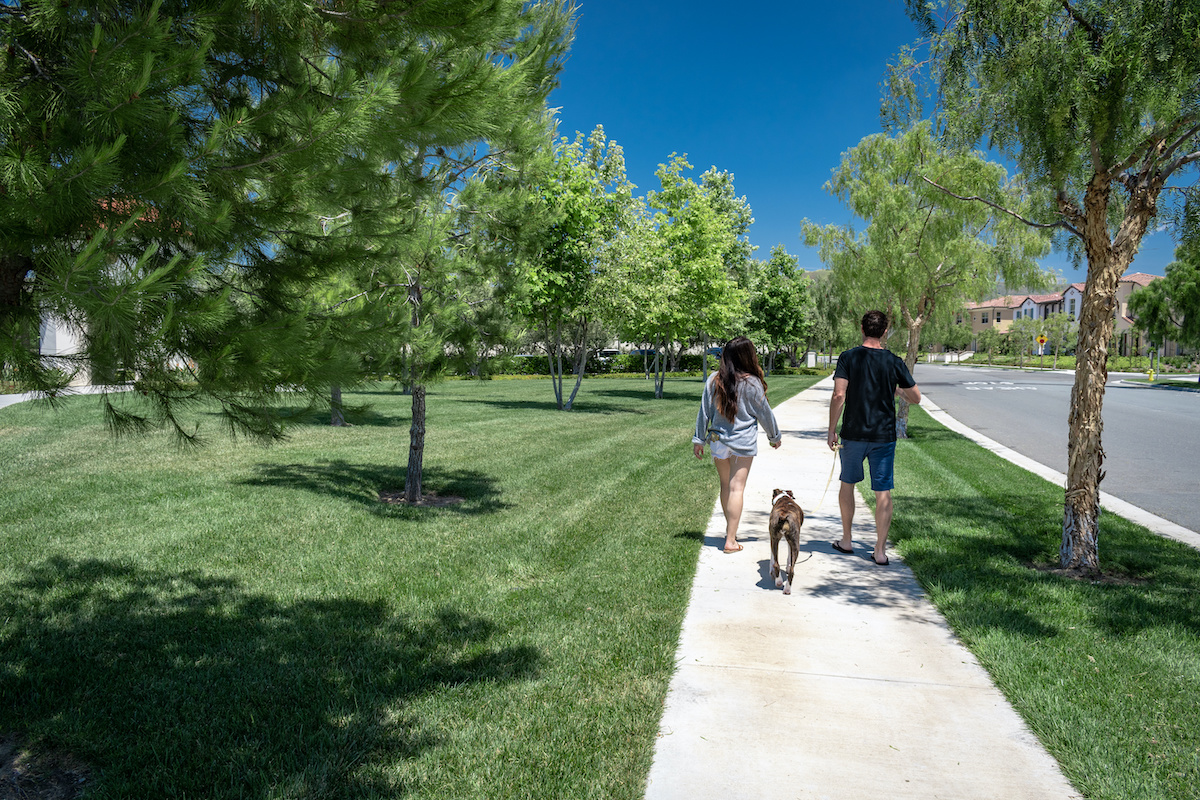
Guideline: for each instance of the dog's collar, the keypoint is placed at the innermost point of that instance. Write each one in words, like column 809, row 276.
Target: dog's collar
column 781, row 495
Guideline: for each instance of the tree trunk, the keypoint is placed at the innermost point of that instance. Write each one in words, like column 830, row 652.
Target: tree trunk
column 416, row 446
column 554, row 355
column 580, row 366
column 1107, row 261
column 660, row 369
column 910, row 360
column 337, row 417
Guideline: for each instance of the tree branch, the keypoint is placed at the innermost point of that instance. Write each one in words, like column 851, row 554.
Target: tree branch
column 1061, row 224
column 1092, row 32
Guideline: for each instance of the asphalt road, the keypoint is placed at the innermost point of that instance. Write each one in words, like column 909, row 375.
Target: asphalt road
column 1151, row 437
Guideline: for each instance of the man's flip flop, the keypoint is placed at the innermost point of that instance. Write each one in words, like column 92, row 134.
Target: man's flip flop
column 841, row 549
column 883, row 563
column 734, row 549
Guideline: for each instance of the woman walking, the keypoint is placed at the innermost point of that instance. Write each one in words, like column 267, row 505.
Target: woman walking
column 733, row 406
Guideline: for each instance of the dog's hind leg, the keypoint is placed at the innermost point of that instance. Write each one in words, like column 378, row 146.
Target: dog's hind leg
column 793, row 553
column 775, row 558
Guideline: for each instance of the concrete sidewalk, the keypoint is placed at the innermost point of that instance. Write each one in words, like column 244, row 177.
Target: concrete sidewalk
column 852, row 688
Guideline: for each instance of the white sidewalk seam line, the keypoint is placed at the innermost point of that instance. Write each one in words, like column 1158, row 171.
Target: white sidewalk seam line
column 837, row 676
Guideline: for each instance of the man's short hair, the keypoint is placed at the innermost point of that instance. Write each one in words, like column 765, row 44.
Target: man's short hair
column 874, row 324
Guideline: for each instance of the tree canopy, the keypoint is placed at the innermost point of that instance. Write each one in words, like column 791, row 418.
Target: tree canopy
column 166, row 170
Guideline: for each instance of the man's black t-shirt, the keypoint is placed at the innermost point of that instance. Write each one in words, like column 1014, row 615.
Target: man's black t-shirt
column 873, row 375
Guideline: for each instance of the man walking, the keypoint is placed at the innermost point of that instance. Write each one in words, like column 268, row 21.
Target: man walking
column 865, row 383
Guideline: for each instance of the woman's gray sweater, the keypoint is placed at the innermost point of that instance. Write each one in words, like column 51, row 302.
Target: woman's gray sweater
column 741, row 434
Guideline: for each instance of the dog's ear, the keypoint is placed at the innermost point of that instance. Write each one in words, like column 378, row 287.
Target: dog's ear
column 775, row 493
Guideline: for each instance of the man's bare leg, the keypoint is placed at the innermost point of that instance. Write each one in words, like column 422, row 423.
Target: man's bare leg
column 883, row 521
column 846, row 504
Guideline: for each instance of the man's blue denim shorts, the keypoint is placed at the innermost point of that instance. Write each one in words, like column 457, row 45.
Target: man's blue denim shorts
column 881, row 456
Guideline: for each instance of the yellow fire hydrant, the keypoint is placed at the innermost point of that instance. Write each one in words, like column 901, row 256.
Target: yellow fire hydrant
column 1152, row 374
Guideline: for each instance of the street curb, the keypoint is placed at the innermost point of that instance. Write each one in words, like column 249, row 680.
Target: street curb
column 1137, row 385
column 1155, row 524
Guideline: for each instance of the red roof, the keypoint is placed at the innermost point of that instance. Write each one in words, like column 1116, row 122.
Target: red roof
column 1141, row 278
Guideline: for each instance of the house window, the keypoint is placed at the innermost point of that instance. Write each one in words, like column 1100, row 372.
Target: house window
column 1072, row 307
column 985, row 318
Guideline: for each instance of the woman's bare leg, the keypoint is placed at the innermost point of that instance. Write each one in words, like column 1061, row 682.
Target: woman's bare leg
column 733, row 472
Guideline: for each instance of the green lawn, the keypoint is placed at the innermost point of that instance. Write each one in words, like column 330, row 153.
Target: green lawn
column 1106, row 673
column 248, row 622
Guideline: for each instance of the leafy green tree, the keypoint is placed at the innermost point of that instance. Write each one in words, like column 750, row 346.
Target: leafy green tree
column 922, row 251
column 683, row 285
column 780, row 308
column 586, row 201
column 990, row 341
column 1096, row 103
column 739, row 252
column 1022, row 336
column 834, row 323
column 1169, row 309
column 1060, row 330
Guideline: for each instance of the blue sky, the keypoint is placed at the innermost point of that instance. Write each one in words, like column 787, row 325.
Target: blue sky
column 773, row 92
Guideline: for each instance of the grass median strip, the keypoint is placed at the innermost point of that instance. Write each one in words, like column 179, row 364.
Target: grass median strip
column 241, row 621
column 1106, row 673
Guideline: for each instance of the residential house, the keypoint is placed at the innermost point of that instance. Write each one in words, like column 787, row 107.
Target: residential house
column 999, row 313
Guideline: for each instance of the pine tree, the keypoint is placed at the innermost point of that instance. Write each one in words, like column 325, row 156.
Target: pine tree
column 166, row 167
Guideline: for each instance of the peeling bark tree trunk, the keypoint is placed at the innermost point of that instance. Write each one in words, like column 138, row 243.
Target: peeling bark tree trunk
column 1107, row 262
column 1085, row 454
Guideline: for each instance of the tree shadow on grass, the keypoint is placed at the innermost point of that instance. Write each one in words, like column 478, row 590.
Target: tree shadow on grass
column 582, row 405
column 982, row 550
column 669, row 393
column 362, row 483
column 187, row 685
column 364, row 415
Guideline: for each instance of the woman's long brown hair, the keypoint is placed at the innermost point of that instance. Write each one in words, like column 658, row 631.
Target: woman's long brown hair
column 739, row 359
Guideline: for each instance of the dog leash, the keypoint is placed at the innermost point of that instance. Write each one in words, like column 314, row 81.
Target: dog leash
column 832, row 467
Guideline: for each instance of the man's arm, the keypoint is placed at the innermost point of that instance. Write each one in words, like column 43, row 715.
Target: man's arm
column 912, row 394
column 836, row 403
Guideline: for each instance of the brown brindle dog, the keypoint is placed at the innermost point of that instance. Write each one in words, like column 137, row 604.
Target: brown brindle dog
column 786, row 519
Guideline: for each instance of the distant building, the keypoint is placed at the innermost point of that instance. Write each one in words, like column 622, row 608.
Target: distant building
column 1000, row 312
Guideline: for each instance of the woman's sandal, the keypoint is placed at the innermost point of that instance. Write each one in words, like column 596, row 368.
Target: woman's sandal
column 735, row 549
